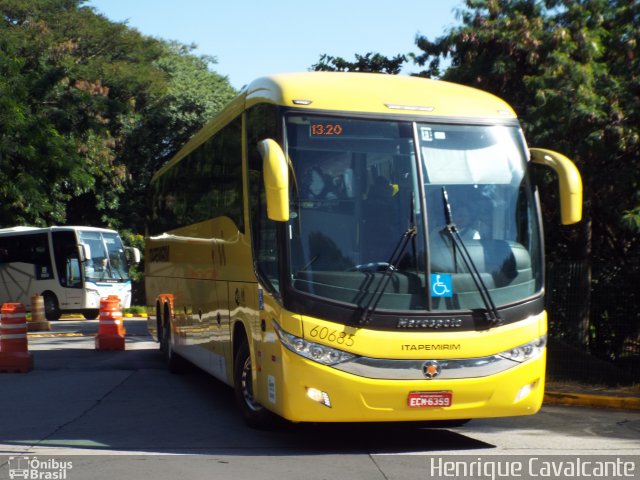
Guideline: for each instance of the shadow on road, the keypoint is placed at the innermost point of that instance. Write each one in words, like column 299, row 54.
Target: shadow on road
column 125, row 401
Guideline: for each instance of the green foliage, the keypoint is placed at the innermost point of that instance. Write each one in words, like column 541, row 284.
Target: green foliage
column 369, row 62
column 194, row 94
column 65, row 95
column 29, row 139
column 631, row 219
column 79, row 97
column 136, row 270
column 136, row 310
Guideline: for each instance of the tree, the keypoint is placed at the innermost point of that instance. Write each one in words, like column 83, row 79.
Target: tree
column 369, row 62
column 30, row 140
column 88, row 110
column 194, row 95
column 70, row 80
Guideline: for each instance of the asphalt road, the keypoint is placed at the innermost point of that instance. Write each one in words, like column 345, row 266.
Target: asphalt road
column 88, row 406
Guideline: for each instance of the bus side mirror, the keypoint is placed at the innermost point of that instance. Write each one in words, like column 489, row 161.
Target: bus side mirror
column 568, row 179
column 276, row 180
column 84, row 252
column 134, row 254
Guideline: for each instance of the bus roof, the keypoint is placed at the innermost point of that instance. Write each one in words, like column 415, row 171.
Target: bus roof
column 25, row 230
column 358, row 93
column 376, row 93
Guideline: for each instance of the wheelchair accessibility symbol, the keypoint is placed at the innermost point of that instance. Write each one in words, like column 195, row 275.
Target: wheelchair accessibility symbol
column 441, row 285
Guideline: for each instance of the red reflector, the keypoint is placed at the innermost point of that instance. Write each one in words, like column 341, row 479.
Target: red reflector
column 429, row 399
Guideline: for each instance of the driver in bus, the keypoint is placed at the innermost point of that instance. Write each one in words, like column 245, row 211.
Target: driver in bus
column 466, row 226
column 316, row 185
column 99, row 268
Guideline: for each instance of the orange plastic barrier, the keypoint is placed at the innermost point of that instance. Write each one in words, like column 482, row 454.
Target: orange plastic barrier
column 111, row 326
column 14, row 348
column 38, row 322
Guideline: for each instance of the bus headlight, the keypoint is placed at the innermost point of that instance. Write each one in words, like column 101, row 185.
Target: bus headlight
column 527, row 351
column 313, row 351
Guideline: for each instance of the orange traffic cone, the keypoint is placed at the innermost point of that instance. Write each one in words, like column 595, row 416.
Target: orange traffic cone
column 14, row 348
column 38, row 322
column 110, row 328
column 169, row 299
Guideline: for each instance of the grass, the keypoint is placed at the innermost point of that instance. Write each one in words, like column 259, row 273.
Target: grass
column 136, row 311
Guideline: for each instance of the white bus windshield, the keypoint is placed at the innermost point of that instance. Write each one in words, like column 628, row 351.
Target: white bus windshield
column 358, row 189
column 106, row 259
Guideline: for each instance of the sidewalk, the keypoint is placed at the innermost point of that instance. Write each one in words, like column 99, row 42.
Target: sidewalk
column 574, row 377
column 568, row 393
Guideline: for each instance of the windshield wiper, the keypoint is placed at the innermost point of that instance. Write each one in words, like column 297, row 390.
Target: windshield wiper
column 492, row 314
column 390, row 269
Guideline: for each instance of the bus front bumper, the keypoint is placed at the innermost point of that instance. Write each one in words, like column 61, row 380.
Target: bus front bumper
column 310, row 392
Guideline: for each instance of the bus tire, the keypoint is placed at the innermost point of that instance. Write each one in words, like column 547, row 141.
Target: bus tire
column 91, row 314
column 254, row 414
column 51, row 307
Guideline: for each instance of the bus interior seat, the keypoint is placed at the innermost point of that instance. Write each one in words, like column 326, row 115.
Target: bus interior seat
column 504, row 262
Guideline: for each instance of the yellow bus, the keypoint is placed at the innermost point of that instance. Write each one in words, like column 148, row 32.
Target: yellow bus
column 349, row 247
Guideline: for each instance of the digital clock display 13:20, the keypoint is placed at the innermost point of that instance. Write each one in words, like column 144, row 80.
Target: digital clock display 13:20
column 326, row 129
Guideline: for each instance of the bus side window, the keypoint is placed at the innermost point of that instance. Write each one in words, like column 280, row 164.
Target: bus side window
column 31, row 249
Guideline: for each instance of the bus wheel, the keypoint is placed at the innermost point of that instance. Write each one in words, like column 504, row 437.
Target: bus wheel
column 255, row 415
column 51, row 307
column 91, row 314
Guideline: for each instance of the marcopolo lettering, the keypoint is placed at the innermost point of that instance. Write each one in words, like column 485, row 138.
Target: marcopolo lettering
column 429, row 323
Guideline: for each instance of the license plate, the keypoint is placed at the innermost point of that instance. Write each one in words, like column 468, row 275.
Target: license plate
column 429, row 399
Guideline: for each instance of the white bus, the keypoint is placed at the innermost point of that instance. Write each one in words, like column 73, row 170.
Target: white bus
column 71, row 267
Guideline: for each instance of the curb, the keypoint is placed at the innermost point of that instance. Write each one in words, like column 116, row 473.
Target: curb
column 58, row 334
column 589, row 400
column 74, row 334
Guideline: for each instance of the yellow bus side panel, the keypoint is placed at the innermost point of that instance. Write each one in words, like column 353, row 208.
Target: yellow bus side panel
column 213, row 250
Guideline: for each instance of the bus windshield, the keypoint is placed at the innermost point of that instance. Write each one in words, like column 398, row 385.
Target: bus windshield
column 106, row 259
column 361, row 185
